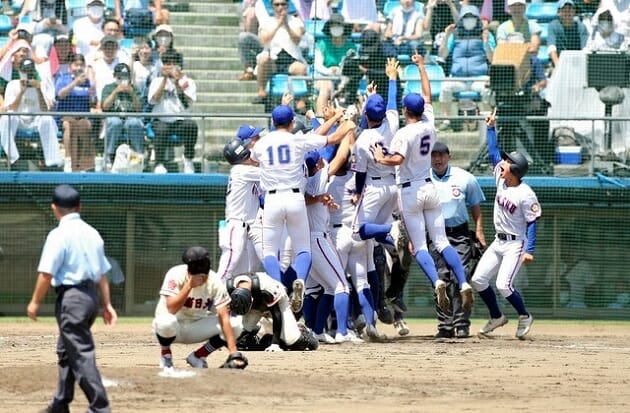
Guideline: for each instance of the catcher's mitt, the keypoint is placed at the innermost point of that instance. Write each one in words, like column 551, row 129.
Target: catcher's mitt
column 235, row 360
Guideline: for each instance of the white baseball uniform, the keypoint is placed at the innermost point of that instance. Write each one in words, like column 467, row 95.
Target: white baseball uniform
column 196, row 321
column 514, row 208
column 241, row 207
column 280, row 156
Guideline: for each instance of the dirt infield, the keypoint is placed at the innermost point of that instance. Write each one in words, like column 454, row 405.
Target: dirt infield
column 563, row 367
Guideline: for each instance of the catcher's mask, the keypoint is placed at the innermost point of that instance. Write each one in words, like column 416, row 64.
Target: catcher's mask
column 241, row 300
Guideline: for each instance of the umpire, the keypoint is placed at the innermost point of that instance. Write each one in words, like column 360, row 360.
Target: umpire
column 73, row 262
column 458, row 190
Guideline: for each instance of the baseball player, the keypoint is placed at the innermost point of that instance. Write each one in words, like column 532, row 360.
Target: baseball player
column 419, row 204
column 458, row 190
column 254, row 294
column 280, row 155
column 194, row 306
column 241, row 206
column 516, row 210
column 376, row 183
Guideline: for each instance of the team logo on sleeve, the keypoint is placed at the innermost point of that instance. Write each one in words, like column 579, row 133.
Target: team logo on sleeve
column 535, row 208
column 172, row 285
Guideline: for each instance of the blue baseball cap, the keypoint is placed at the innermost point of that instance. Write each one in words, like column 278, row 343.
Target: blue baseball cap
column 414, row 102
column 282, row 115
column 247, row 132
column 311, row 159
column 375, row 108
column 66, row 196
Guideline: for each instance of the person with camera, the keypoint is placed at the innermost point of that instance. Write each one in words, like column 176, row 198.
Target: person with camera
column 403, row 32
column 173, row 93
column 28, row 92
column 75, row 92
column 88, row 30
column 121, row 96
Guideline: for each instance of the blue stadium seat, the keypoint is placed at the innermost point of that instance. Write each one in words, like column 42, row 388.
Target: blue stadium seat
column 3, row 40
column 6, row 25
column 315, row 28
column 542, row 12
column 126, row 43
column 411, row 76
column 543, row 55
column 544, row 31
column 76, row 9
column 279, row 84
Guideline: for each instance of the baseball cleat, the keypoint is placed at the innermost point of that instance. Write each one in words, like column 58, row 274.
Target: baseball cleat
column 196, row 362
column 166, row 361
column 462, row 332
column 359, row 323
column 441, row 333
column 325, row 338
column 348, row 338
column 440, row 292
column 493, row 324
column 524, row 325
column 467, row 296
column 401, row 327
column 297, row 296
column 374, row 334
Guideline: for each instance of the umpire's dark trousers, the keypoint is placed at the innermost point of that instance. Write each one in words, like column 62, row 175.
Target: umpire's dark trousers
column 76, row 309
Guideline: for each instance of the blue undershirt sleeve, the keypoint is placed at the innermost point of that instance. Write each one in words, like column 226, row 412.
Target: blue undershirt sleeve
column 531, row 237
column 493, row 146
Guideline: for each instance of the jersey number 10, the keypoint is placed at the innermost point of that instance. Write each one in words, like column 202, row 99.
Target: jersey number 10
column 283, row 152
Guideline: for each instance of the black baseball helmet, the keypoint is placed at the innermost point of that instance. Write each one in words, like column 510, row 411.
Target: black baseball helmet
column 519, row 164
column 236, row 152
column 241, row 301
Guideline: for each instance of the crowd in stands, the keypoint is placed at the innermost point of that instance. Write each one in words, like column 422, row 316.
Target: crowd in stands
column 338, row 47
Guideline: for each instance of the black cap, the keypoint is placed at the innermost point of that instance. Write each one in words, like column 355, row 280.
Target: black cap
column 122, row 71
column 197, row 259
column 440, row 147
column 66, row 196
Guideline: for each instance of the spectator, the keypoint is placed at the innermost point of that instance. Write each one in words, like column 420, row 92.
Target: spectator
column 280, row 35
column 24, row 31
column 439, row 14
column 248, row 42
column 173, row 93
column 121, row 96
column 329, row 54
column 46, row 24
column 111, row 28
column 605, row 36
column 30, row 92
column 103, row 66
column 620, row 10
column 470, row 48
column 493, row 12
column 361, row 12
column 520, row 24
column 88, row 30
column 142, row 70
column 566, row 33
column 75, row 92
column 138, row 17
column 60, row 54
column 164, row 40
column 404, row 29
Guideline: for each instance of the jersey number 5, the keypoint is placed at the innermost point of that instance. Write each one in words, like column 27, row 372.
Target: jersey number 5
column 425, row 145
column 284, row 154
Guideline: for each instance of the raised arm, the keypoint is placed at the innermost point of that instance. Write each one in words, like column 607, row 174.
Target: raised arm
column 391, row 69
column 493, row 144
column 418, row 60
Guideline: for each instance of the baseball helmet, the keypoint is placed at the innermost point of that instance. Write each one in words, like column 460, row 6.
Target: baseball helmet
column 241, row 300
column 519, row 164
column 236, row 152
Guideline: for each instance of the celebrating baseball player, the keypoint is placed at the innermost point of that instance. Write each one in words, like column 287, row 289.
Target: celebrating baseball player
column 516, row 210
column 255, row 294
column 419, row 203
column 194, row 306
column 241, row 205
column 280, row 155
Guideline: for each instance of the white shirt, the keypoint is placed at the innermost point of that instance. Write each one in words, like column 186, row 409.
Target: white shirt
column 280, row 156
column 201, row 300
column 170, row 102
column 414, row 142
column 30, row 99
column 318, row 215
column 103, row 74
column 363, row 160
column 241, row 200
column 514, row 206
column 282, row 38
column 337, row 190
column 85, row 31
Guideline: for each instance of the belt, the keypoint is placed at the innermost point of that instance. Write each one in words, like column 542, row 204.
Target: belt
column 408, row 184
column 337, row 225
column 460, row 229
column 294, row 190
column 506, row 237
column 319, row 234
column 238, row 220
column 83, row 285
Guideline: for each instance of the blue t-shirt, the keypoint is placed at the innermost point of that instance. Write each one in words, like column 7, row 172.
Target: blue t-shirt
column 79, row 98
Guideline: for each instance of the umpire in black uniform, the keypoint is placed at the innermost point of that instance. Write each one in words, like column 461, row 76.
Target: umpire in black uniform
column 458, row 190
column 73, row 262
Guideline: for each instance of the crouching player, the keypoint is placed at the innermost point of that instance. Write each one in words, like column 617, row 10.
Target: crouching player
column 255, row 294
column 194, row 307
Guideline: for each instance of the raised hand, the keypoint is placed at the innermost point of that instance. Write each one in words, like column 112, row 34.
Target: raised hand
column 490, row 119
column 417, row 58
column 391, row 68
